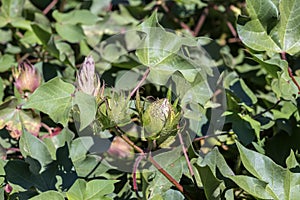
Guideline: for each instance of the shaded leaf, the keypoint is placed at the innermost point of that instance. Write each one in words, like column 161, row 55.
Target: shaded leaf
column 6, row 61
column 75, row 17
column 71, row 33
column 33, row 147
column 20, row 173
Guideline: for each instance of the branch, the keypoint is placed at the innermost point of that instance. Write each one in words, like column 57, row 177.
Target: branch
column 200, row 22
column 140, row 82
column 209, row 136
column 50, row 6
column 263, row 112
column 135, row 168
column 175, row 19
column 186, row 157
column 156, row 165
column 283, row 56
column 231, row 28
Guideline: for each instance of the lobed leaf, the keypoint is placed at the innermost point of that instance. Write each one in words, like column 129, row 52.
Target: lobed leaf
column 53, row 98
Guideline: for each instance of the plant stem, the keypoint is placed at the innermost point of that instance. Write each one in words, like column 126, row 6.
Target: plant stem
column 50, row 6
column 140, row 82
column 153, row 162
column 283, row 56
column 232, row 29
column 263, row 112
column 175, row 19
column 200, row 22
column 209, row 136
column 135, row 167
column 187, row 157
column 49, row 129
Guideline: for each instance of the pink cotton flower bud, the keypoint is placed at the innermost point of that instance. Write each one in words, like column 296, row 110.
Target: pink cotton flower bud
column 27, row 78
column 87, row 79
column 8, row 188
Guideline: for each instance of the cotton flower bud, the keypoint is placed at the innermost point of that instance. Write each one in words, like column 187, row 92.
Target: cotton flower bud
column 27, row 78
column 159, row 119
column 87, row 79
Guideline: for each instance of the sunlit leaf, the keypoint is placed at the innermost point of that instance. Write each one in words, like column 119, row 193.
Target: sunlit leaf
column 53, row 98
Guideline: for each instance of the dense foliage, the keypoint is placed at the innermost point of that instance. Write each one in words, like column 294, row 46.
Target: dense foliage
column 149, row 99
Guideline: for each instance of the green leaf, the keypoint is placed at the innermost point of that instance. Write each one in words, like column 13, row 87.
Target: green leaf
column 171, row 162
column 6, row 61
column 288, row 30
column 5, row 36
column 173, row 194
column 53, row 195
column 84, row 163
column 11, row 9
column 271, row 32
column 33, row 147
column 262, row 13
column 53, row 98
column 160, row 51
column 282, row 183
column 95, row 189
column 65, row 136
column 71, row 33
column 284, row 87
column 213, row 168
column 2, row 171
column 26, row 176
column 272, row 65
column 87, row 108
column 208, row 167
column 46, row 39
column 75, row 17
column 1, row 89
column 77, row 191
column 16, row 119
column 252, row 185
column 291, row 161
column 239, row 89
column 66, row 53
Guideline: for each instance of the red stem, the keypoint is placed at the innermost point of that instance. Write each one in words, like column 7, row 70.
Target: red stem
column 200, row 22
column 156, row 165
column 135, row 167
column 50, row 6
column 231, row 28
column 175, row 19
column 283, row 56
column 140, row 82
column 48, row 128
column 186, row 157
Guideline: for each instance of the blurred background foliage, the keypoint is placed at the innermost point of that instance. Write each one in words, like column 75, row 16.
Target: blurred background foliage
column 262, row 109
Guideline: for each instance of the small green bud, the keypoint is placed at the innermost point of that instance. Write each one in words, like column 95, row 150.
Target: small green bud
column 114, row 111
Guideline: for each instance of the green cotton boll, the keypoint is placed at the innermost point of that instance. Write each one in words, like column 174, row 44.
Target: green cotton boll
column 159, row 119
